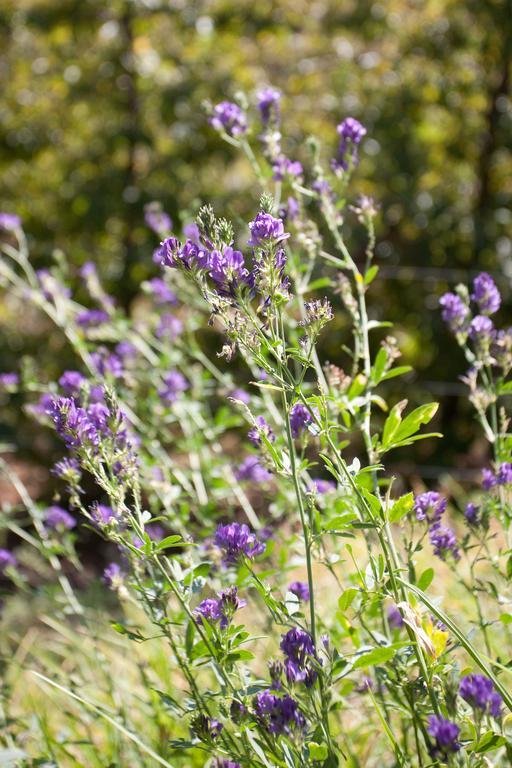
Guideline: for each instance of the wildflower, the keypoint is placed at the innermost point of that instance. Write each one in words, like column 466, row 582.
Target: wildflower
column 283, row 167
column 237, row 711
column 429, row 506
column 479, row 692
column 297, row 646
column 10, row 222
column 300, row 417
column 445, row 734
column 472, row 514
column 73, row 425
column 69, row 470
column 7, row 560
column 91, row 318
column 260, row 428
column 318, row 314
column 50, row 287
column 251, row 469
column 106, row 363
column 169, row 326
column 221, row 763
column 161, row 291
column 300, row 589
column 268, row 277
column 230, row 118
column 351, row 132
column 268, row 104
column 486, row 294
column 481, row 332
column 278, row 714
column 227, row 269
column 102, row 514
column 455, row 312
column 289, row 211
column 188, row 256
column 240, row 394
column 323, row 486
column 394, row 616
column 365, row 210
column 9, row 381
column 504, row 474
column 221, row 609
column 266, row 231
column 174, row 384
column 113, row 576
column 191, row 232
column 444, row 542
column 71, row 383
column 365, row 684
column 58, row 518
column 237, row 541
column 205, row 728
column 489, row 479
column 156, row 219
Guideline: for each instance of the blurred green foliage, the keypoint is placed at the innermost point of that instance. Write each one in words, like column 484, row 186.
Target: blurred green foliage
column 102, row 111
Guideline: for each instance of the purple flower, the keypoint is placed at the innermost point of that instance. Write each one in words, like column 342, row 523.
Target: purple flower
column 351, row 132
column 188, row 256
column 297, row 646
column 221, row 609
column 454, row 312
column 268, row 104
column 221, row 763
column 227, row 269
column 71, row 383
column 126, row 350
column 9, row 221
column 169, row 326
column 156, row 219
column 479, row 692
column 9, row 381
column 283, row 167
column 73, row 424
column 266, row 230
column 102, row 514
column 300, row 417
column 429, row 506
column 106, row 363
column 67, row 469
column 191, row 232
column 237, row 541
column 58, row 518
column 504, row 474
column 445, row 734
column 481, row 329
column 240, row 394
column 486, row 294
column 323, row 486
column 252, row 470
column 290, row 211
column 261, row 428
column 91, row 318
column 472, row 514
column 489, row 480
column 444, row 542
column 205, row 728
column 278, row 714
column 228, row 117
column 174, row 384
column 395, row 619
column 300, row 589
column 113, row 576
column 161, row 291
column 7, row 560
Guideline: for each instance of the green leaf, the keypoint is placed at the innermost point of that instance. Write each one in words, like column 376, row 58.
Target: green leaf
column 401, row 507
column 347, row 598
column 317, row 751
column 374, row 657
column 489, row 742
column 392, row 423
column 426, row 578
column 169, row 542
column 371, row 274
column 400, row 370
column 415, row 419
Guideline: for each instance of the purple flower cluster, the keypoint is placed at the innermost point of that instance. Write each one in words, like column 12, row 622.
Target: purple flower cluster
column 261, row 428
column 9, row 381
column 266, row 231
column 174, row 384
column 220, row 609
column 351, row 133
column 252, row 470
column 113, row 576
column 278, row 714
column 161, row 291
column 156, row 219
column 227, row 269
column 102, row 514
column 445, row 734
column 205, row 728
column 486, row 294
column 268, row 104
column 58, row 518
column 455, row 312
column 503, row 476
column 228, row 117
column 9, row 221
column 479, row 692
column 7, row 560
column 321, row 485
column 169, row 327
column 92, row 318
column 283, row 167
column 430, row 506
column 300, row 589
column 297, row 646
column 395, row 619
column 300, row 417
column 472, row 514
column 237, row 541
